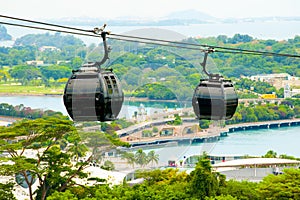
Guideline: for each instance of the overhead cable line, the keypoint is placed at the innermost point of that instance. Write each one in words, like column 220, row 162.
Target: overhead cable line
column 48, row 29
column 44, row 23
column 155, row 43
column 183, row 45
column 93, row 35
column 176, row 44
column 231, row 50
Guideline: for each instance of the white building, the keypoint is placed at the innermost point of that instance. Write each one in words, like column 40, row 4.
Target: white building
column 278, row 80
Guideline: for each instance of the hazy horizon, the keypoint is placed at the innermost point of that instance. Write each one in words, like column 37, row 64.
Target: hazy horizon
column 154, row 9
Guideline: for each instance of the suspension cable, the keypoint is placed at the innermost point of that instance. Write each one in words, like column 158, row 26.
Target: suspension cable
column 49, row 29
column 44, row 23
column 176, row 44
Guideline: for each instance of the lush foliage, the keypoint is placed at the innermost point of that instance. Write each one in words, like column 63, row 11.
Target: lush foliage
column 154, row 91
column 202, row 183
column 140, row 157
column 177, row 121
column 235, row 65
column 147, row 70
column 284, row 186
column 50, row 164
column 25, row 112
column 257, row 87
column 6, row 191
column 59, row 153
column 56, row 40
column 265, row 112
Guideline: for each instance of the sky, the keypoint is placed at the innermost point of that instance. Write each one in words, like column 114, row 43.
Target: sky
column 146, row 9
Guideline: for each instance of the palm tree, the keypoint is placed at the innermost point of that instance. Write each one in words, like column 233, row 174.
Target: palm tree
column 152, row 157
column 78, row 150
column 129, row 157
column 141, row 158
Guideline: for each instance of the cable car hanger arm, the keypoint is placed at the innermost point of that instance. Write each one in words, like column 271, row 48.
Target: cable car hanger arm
column 106, row 48
column 203, row 64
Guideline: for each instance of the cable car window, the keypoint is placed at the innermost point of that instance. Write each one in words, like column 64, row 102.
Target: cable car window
column 87, row 76
column 114, row 84
column 108, row 83
column 82, row 86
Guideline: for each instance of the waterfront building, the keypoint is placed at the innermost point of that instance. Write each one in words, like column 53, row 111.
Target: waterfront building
column 277, row 80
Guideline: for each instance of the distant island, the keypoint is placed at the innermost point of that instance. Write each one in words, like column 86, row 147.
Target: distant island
column 185, row 17
column 3, row 34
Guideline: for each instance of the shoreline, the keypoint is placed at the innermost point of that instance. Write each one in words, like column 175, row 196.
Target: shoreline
column 135, row 99
column 26, row 94
column 146, row 142
column 229, row 128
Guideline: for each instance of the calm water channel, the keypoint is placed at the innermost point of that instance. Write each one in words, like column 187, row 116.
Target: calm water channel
column 56, row 103
column 255, row 142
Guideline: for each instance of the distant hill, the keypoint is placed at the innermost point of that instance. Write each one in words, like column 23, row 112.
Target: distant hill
column 4, row 35
column 175, row 18
column 191, row 15
column 184, row 17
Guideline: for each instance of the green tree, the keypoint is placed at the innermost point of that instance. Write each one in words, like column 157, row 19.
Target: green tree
column 141, row 158
column 25, row 73
column 129, row 156
column 283, row 186
column 98, row 143
column 155, row 129
column 177, row 120
column 222, row 197
column 52, row 167
column 6, row 191
column 204, row 123
column 240, row 190
column 164, row 184
column 77, row 148
column 152, row 157
column 202, row 181
column 55, row 71
column 76, row 62
column 4, row 75
column 147, row 133
column 108, row 165
column 57, row 40
column 67, row 195
column 237, row 38
column 270, row 154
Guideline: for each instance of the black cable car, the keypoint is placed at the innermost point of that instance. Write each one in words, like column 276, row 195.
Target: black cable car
column 214, row 98
column 92, row 93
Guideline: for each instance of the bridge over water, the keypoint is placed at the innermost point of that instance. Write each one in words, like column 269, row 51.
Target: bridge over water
column 263, row 125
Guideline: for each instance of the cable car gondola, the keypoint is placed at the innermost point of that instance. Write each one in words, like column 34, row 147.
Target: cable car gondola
column 93, row 93
column 214, row 98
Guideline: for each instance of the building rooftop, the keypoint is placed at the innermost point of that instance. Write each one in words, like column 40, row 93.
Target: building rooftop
column 256, row 162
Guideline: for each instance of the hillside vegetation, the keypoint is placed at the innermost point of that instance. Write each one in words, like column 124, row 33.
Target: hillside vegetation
column 144, row 69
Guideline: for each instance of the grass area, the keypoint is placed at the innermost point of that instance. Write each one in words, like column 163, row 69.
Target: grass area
column 30, row 90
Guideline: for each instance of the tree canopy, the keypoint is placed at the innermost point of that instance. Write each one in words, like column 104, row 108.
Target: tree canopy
column 48, row 150
column 139, row 65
